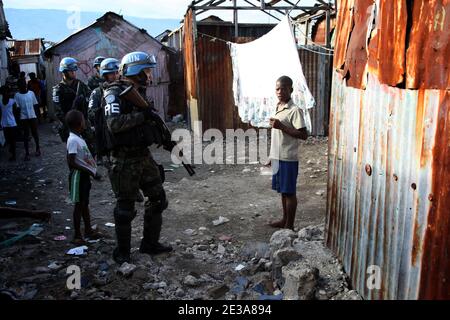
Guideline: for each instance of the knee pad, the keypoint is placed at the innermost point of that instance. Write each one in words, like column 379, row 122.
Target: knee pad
column 158, row 202
column 124, row 212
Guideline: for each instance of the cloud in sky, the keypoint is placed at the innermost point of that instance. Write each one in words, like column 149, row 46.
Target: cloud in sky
column 164, row 9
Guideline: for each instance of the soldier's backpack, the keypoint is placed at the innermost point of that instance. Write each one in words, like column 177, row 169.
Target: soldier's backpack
column 104, row 138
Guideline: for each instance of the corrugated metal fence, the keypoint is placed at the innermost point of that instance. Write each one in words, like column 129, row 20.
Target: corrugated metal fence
column 317, row 70
column 388, row 208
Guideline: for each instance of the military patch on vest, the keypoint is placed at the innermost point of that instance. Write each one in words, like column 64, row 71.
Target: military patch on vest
column 111, row 107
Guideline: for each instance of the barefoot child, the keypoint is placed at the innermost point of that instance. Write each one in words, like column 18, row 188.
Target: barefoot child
column 288, row 127
column 82, row 165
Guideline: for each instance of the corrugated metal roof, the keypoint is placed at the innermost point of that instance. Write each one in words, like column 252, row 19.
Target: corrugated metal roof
column 26, row 47
column 389, row 151
column 106, row 22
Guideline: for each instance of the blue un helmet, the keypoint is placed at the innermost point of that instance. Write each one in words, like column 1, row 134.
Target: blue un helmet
column 68, row 64
column 133, row 63
column 109, row 65
column 98, row 61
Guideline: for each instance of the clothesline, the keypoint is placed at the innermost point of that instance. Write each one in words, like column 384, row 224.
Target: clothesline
column 310, row 40
column 229, row 42
column 318, row 52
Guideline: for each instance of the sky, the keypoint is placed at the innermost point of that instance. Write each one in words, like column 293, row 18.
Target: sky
column 164, row 9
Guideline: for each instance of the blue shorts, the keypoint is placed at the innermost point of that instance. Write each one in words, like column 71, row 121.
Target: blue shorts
column 284, row 180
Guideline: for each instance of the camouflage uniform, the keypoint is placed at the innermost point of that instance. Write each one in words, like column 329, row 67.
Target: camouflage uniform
column 132, row 168
column 64, row 96
column 94, row 82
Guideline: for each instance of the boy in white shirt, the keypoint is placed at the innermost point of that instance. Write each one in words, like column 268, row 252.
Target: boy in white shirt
column 82, row 165
column 288, row 127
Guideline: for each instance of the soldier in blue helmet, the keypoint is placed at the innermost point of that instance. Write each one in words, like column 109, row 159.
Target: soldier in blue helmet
column 96, row 79
column 70, row 94
column 109, row 71
column 132, row 129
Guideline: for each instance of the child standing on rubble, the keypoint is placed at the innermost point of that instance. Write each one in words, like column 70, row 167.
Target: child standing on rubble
column 82, row 166
column 288, row 127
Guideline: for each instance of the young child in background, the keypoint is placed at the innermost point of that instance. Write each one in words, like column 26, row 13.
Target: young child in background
column 82, row 166
column 8, row 121
column 26, row 101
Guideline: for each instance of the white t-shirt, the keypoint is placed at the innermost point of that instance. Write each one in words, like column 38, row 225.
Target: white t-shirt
column 76, row 145
column 26, row 102
column 8, row 119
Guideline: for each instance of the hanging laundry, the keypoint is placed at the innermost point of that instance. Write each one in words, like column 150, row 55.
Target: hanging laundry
column 256, row 67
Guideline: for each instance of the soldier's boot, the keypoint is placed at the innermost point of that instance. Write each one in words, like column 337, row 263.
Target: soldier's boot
column 123, row 220
column 152, row 227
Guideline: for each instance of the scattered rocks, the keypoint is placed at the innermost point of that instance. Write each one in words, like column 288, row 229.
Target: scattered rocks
column 218, row 291
column 221, row 249
column 189, row 232
column 74, row 295
column 348, row 295
column 282, row 239
column 225, row 238
column 202, row 247
column 126, row 269
column 320, row 192
column 300, row 281
column 311, row 233
column 255, row 250
column 180, row 293
column 282, row 258
column 191, row 281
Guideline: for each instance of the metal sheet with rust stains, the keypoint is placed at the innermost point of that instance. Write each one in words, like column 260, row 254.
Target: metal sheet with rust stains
column 26, row 48
column 357, row 54
column 428, row 63
column 397, row 217
column 387, row 58
column 389, row 150
column 344, row 25
column 411, row 41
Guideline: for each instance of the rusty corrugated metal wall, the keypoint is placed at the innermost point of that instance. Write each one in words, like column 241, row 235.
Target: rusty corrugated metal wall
column 26, row 47
column 389, row 149
column 317, row 70
column 208, row 66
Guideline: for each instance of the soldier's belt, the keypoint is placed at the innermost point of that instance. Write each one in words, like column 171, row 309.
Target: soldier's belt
column 130, row 153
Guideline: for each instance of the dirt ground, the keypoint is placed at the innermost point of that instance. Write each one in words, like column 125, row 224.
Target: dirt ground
column 238, row 192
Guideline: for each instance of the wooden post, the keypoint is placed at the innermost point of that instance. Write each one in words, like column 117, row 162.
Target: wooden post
column 328, row 30
column 306, row 32
column 235, row 19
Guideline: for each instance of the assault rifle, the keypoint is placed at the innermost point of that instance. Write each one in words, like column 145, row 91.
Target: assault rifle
column 132, row 95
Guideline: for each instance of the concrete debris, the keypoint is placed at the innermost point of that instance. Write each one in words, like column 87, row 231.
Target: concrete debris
column 282, row 239
column 300, row 281
column 126, row 269
column 311, row 233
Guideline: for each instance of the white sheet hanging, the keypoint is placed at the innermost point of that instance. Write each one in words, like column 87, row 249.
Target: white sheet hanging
column 256, row 67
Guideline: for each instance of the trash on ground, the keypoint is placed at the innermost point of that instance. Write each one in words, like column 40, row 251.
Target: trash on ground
column 220, row 221
column 78, row 251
